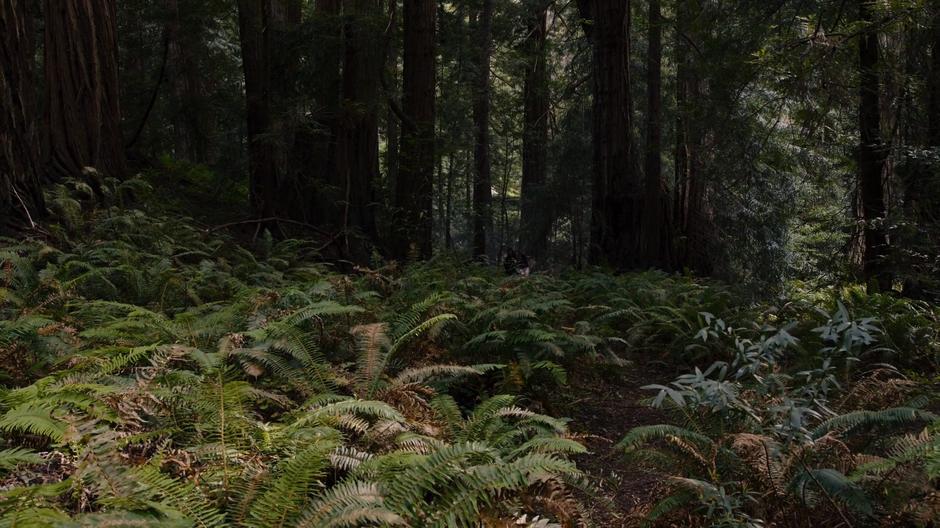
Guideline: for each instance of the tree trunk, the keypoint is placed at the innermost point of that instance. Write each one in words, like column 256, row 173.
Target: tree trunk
column 262, row 163
column 615, row 189
column 191, row 124
column 358, row 142
column 482, row 181
column 657, row 238
column 536, row 219
column 392, row 127
column 20, row 192
column 83, row 112
column 413, row 191
column 315, row 146
column 682, row 152
column 182, row 133
column 693, row 227
column 282, row 21
column 934, row 116
column 872, row 154
column 448, row 237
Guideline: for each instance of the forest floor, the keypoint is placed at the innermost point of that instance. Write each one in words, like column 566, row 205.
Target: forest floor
column 607, row 403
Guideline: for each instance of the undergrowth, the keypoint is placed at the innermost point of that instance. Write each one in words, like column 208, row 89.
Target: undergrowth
column 157, row 372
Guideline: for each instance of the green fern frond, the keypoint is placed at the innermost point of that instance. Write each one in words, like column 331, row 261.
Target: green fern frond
column 183, row 497
column 350, row 504
column 548, row 444
column 849, row 422
column 35, row 420
column 295, row 480
column 423, row 374
column 640, row 436
column 18, row 456
column 418, row 330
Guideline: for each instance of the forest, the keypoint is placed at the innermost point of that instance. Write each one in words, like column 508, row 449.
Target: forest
column 469, row 263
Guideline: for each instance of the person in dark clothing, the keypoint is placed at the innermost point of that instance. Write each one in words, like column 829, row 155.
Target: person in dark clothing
column 516, row 263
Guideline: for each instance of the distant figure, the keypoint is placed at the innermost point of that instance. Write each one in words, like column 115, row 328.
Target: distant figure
column 516, row 263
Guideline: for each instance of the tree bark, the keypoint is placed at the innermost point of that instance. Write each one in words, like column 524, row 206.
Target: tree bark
column 414, row 188
column 182, row 133
column 615, row 190
column 392, row 122
column 83, row 111
column 449, row 204
column 20, row 192
column 536, row 218
column 872, row 154
column 482, row 181
column 693, row 226
column 358, row 142
column 262, row 165
column 315, row 145
column 657, row 238
column 191, row 124
column 934, row 116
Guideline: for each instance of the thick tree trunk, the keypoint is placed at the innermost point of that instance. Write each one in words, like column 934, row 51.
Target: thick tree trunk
column 358, row 141
column 872, row 154
column 20, row 193
column 536, row 219
column 482, row 180
column 315, row 146
column 392, row 126
column 449, row 205
column 657, row 240
column 262, row 164
column 83, row 112
column 615, row 191
column 693, row 226
column 191, row 124
column 182, row 132
column 682, row 158
column 934, row 117
column 413, row 191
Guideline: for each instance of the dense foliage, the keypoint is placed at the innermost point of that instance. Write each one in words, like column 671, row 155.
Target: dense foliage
column 161, row 374
column 460, row 263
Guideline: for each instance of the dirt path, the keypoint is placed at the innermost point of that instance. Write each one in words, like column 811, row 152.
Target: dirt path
column 605, row 406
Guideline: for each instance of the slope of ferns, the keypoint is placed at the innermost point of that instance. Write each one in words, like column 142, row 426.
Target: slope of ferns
column 156, row 373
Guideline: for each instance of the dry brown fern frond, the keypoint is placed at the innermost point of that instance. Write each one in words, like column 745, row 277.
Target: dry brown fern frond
column 411, row 400
column 878, row 389
column 371, row 341
column 557, row 499
column 759, row 451
column 921, row 511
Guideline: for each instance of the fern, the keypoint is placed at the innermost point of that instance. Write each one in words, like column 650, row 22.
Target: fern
column 31, row 419
column 849, row 422
column 183, row 497
column 295, row 479
column 17, row 456
column 350, row 504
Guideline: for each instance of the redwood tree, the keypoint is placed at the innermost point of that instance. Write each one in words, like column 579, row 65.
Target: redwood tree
column 315, row 146
column 186, row 37
column 482, row 181
column 934, row 81
column 262, row 167
column 357, row 144
column 693, row 227
column 413, row 190
column 20, row 193
column 872, row 154
column 535, row 219
column 615, row 190
column 656, row 239
column 83, row 112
